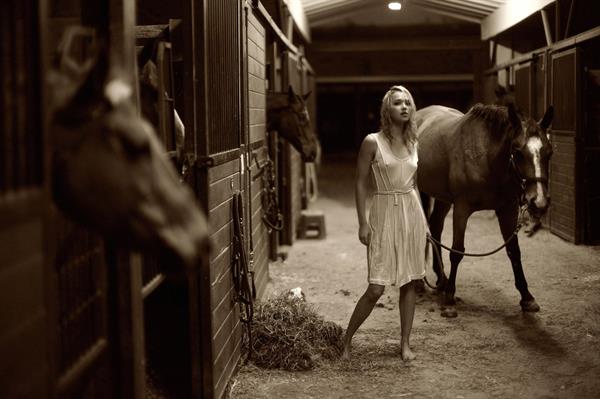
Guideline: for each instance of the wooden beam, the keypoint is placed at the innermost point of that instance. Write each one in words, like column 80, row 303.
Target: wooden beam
column 510, row 14
column 463, row 77
column 569, row 19
column 446, row 5
column 336, row 5
column 270, row 23
column 331, row 14
column 296, row 10
column 592, row 34
column 398, row 44
column 456, row 15
column 547, row 31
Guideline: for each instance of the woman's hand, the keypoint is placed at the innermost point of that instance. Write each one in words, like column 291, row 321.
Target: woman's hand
column 364, row 234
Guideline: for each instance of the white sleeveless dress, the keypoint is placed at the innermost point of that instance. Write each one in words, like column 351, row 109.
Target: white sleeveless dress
column 397, row 251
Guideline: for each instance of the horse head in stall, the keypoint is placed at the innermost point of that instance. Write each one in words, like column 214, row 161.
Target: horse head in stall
column 287, row 114
column 488, row 158
column 110, row 171
column 155, row 94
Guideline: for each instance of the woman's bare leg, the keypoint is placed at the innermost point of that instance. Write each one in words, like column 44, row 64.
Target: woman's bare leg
column 363, row 309
column 407, row 302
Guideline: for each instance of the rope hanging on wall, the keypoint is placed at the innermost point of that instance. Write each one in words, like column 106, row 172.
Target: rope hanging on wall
column 243, row 279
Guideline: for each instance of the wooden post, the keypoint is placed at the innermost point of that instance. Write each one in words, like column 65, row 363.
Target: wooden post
column 547, row 31
column 125, row 269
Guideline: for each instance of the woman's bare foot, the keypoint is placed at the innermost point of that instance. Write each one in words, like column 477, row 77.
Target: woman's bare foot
column 407, row 354
column 346, row 353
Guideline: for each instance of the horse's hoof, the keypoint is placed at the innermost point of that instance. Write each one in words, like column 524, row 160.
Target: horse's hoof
column 530, row 306
column 449, row 313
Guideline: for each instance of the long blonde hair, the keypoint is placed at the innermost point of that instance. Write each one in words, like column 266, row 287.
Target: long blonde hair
column 409, row 133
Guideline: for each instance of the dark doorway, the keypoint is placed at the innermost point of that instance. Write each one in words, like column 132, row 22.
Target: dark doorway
column 348, row 112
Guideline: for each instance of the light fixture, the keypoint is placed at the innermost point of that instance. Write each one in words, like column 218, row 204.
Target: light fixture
column 394, row 5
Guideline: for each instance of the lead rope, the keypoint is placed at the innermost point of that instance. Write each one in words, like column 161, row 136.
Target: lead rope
column 243, row 291
column 272, row 217
column 522, row 209
column 434, row 244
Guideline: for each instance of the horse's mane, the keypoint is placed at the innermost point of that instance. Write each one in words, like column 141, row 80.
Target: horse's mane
column 494, row 117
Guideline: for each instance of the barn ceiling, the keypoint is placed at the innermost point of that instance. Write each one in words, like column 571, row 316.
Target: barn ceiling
column 325, row 12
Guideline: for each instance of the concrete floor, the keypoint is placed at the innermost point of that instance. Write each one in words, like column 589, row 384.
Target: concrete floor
column 491, row 349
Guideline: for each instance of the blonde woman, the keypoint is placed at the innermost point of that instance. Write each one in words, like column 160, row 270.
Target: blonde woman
column 395, row 233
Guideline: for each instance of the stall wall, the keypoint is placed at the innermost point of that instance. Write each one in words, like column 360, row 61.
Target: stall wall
column 256, row 45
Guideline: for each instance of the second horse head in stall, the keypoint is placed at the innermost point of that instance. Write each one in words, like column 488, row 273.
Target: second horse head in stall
column 287, row 114
column 110, row 170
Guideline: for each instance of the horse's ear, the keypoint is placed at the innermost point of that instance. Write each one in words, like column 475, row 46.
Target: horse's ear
column 149, row 74
column 292, row 98
column 513, row 117
column 547, row 119
column 305, row 97
column 500, row 91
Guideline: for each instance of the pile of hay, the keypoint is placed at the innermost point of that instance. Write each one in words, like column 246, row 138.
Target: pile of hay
column 288, row 334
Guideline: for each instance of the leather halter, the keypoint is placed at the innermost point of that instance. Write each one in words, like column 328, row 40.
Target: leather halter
column 523, row 181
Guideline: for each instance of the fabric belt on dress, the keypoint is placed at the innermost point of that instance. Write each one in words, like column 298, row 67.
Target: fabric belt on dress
column 395, row 193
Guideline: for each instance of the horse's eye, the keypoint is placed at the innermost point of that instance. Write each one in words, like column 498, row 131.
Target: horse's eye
column 519, row 155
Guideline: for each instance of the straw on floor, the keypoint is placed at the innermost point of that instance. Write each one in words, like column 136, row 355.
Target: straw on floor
column 288, row 334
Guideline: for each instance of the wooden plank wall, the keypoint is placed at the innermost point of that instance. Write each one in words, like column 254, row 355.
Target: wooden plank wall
column 256, row 35
column 224, row 180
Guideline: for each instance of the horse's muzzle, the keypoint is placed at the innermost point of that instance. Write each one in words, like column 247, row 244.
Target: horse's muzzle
column 539, row 206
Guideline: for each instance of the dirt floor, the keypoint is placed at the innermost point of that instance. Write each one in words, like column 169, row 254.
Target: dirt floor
column 491, row 349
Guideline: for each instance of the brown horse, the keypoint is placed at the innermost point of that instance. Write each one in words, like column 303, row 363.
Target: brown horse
column 486, row 159
column 110, row 171
column 287, row 114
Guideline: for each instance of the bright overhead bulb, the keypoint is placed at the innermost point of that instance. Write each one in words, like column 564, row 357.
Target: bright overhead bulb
column 394, row 5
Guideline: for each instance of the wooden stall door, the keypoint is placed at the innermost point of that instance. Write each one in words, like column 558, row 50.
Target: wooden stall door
column 274, row 74
column 524, row 90
column 222, row 143
column 290, row 161
column 309, row 188
column 565, row 185
column 169, row 352
column 591, row 156
column 24, row 368
column 95, row 327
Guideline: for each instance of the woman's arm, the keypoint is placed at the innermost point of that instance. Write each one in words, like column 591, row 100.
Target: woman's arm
column 363, row 165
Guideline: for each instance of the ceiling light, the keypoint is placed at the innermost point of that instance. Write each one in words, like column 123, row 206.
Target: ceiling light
column 394, row 5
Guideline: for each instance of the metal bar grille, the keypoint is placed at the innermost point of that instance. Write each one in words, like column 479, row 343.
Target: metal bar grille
column 20, row 133
column 80, row 269
column 223, row 75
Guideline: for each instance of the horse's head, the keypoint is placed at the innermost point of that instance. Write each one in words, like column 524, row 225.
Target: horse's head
column 111, row 172
column 531, row 157
column 148, row 76
column 287, row 114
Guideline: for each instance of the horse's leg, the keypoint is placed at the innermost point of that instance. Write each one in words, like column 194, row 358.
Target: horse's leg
column 436, row 225
column 459, row 224
column 507, row 218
